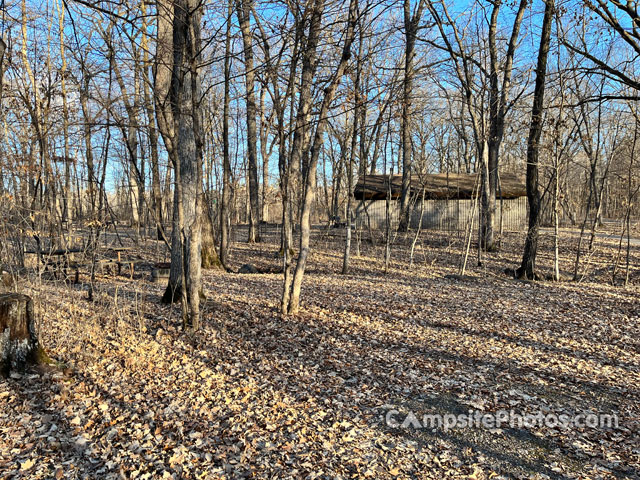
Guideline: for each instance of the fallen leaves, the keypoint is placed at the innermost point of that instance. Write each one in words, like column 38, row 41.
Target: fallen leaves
column 27, row 464
column 258, row 395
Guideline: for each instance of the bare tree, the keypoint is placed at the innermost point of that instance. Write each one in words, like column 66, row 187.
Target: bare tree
column 291, row 294
column 226, row 162
column 411, row 26
column 488, row 131
column 156, row 190
column 358, row 121
column 178, row 97
column 243, row 8
column 527, row 268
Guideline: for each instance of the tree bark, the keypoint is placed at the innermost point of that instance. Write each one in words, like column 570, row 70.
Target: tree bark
column 210, row 259
column 300, row 138
column 87, row 137
column 243, row 8
column 312, row 159
column 19, row 345
column 156, row 190
column 352, row 153
column 178, row 94
column 66, row 201
column 498, row 108
column 528, row 266
column 226, row 162
column 264, row 154
column 411, row 24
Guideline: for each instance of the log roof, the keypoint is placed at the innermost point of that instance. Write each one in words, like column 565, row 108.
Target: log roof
column 436, row 186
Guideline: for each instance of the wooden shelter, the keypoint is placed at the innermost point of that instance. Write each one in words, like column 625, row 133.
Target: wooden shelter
column 449, row 200
column 436, row 186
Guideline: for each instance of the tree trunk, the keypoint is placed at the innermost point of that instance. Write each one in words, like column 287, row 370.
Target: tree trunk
column 337, row 180
column 226, row 163
column 411, row 30
column 312, row 159
column 359, row 121
column 356, row 117
column 130, row 130
column 173, row 291
column 528, row 266
column 486, row 213
column 66, row 201
column 3, row 47
column 498, row 108
column 184, row 136
column 18, row 339
column 244, row 9
column 347, row 245
column 298, row 146
column 156, row 191
column 210, row 258
column 88, row 145
column 264, row 154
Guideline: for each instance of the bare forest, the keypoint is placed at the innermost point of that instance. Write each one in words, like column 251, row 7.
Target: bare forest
column 319, row 239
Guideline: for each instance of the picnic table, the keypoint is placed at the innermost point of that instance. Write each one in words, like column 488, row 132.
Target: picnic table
column 120, row 262
column 60, row 261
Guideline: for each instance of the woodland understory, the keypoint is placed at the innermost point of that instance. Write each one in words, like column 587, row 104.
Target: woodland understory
column 259, row 394
column 186, row 141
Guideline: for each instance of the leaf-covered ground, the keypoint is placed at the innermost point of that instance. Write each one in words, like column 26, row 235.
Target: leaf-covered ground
column 258, row 395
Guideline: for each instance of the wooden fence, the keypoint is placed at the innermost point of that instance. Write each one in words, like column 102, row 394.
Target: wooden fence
column 447, row 215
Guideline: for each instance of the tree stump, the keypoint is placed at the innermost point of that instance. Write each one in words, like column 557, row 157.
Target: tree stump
column 18, row 339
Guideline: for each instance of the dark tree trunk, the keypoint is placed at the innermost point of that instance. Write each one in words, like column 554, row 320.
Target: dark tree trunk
column 226, row 162
column 528, row 266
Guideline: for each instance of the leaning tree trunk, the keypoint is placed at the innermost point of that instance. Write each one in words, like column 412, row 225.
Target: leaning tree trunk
column 18, row 339
column 310, row 170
